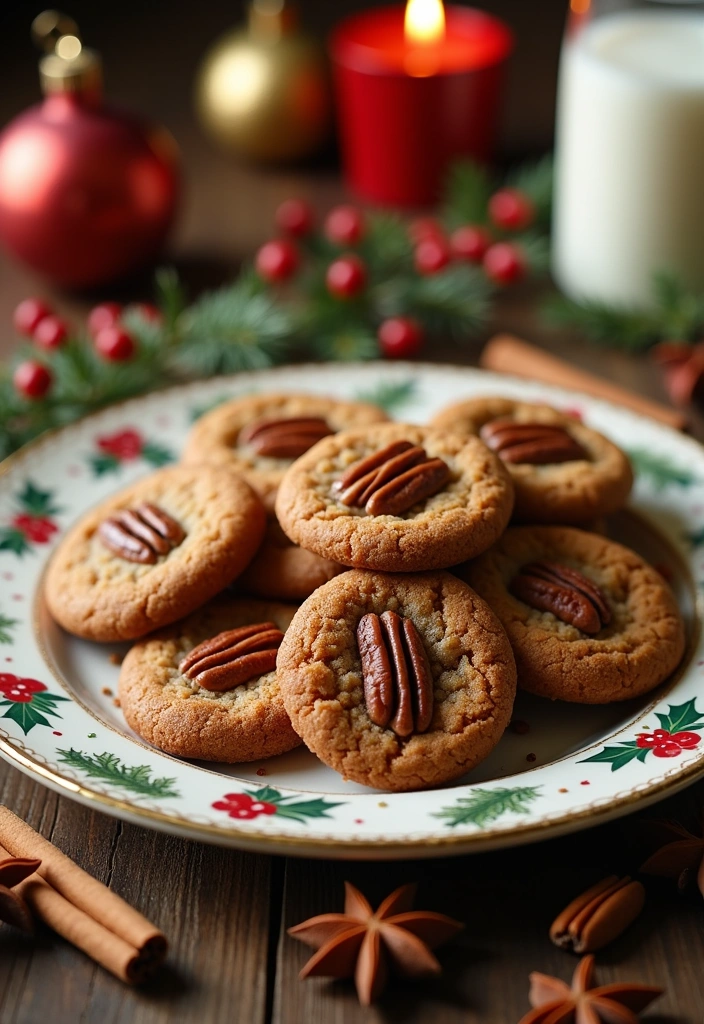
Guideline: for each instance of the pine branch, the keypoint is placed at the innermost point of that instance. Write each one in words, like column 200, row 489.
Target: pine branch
column 536, row 181
column 386, row 247
column 466, row 194
column 484, row 806
column 602, row 323
column 454, row 303
column 108, row 768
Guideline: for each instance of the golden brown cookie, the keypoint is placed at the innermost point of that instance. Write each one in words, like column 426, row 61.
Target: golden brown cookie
column 164, row 702
column 563, row 471
column 259, row 436
column 589, row 621
column 434, row 710
column 154, row 552
column 283, row 571
column 429, row 500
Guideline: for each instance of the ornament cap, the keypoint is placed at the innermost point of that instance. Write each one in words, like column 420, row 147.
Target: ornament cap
column 269, row 20
column 67, row 66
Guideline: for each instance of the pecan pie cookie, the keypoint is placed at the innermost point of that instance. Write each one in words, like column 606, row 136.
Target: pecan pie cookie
column 206, row 687
column 563, row 472
column 259, row 436
column 284, row 571
column 397, row 681
column 588, row 619
column 396, row 498
column 154, row 552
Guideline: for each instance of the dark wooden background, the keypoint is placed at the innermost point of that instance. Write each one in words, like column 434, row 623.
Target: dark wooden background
column 226, row 912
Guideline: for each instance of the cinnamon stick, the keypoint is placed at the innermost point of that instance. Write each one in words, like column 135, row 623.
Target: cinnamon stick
column 80, row 907
column 507, row 354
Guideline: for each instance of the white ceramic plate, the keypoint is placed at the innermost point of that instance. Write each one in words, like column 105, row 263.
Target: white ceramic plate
column 575, row 765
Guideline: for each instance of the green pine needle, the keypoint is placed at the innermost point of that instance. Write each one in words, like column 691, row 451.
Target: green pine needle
column 659, row 469
column 390, row 395
column 454, row 303
column 601, row 323
column 484, row 806
column 536, row 181
column 466, row 194
column 6, row 627
column 108, row 768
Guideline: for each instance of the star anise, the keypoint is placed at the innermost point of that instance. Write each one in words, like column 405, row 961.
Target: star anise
column 13, row 909
column 681, row 855
column 361, row 942
column 555, row 1002
column 683, row 369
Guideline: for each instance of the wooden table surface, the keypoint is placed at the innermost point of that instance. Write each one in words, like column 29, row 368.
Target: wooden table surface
column 225, row 912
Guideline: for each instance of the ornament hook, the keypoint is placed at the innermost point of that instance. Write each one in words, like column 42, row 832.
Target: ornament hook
column 53, row 31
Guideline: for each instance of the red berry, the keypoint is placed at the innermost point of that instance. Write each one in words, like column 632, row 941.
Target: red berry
column 32, row 379
column 511, row 209
column 50, row 332
column 277, row 260
column 28, row 314
column 667, row 749
column 105, row 315
column 425, row 227
column 432, row 255
column 346, row 276
column 294, row 217
column 688, row 740
column 114, row 344
column 503, row 263
column 344, row 225
column 470, row 242
column 400, row 337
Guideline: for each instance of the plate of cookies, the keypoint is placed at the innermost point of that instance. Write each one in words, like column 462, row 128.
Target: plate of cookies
column 364, row 611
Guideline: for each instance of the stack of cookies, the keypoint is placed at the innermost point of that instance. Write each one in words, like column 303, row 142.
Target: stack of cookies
column 424, row 605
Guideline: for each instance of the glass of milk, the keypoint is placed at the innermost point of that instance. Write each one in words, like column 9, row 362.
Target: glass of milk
column 629, row 191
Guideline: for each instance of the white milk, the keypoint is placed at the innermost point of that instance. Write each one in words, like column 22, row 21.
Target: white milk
column 629, row 196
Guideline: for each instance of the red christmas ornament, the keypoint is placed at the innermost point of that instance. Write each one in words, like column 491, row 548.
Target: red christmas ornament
column 503, row 263
column 32, row 379
column 470, row 242
column 277, row 260
column 344, row 225
column 28, row 314
column 50, row 332
column 346, row 276
column 104, row 315
column 400, row 337
column 511, row 209
column 87, row 194
column 432, row 255
column 114, row 344
column 294, row 217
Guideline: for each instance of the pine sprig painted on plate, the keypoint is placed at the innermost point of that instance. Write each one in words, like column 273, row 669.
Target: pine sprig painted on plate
column 484, row 806
column 660, row 470
column 109, row 768
column 6, row 627
column 390, row 395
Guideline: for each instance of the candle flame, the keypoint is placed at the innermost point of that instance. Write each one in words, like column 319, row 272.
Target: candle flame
column 580, row 6
column 424, row 22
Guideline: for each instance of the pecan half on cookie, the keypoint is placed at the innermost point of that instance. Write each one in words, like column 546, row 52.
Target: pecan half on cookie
column 536, row 443
column 570, row 596
column 392, row 480
column 233, row 657
column 141, row 534
column 398, row 683
column 284, row 438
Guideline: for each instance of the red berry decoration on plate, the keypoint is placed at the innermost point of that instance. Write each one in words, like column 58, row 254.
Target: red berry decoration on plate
column 511, row 209
column 50, row 332
column 148, row 312
column 28, row 314
column 470, row 242
column 294, row 217
column 114, row 344
column 32, row 379
column 346, row 277
column 105, row 315
column 504, row 263
column 432, row 255
column 344, row 225
column 425, row 227
column 277, row 260
column 400, row 337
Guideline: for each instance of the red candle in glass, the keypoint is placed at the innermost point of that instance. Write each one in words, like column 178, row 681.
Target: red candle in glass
column 407, row 109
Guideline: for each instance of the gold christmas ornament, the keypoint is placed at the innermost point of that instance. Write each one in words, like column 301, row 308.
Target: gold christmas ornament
column 263, row 91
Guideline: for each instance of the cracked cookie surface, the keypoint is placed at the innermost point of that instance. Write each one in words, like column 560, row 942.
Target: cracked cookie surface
column 175, row 714
column 639, row 648
column 562, row 492
column 96, row 594
column 215, row 437
column 474, row 679
column 464, row 518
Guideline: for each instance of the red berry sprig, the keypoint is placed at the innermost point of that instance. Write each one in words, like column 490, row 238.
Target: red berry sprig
column 114, row 344
column 344, row 225
column 277, row 260
column 470, row 242
column 504, row 263
column 346, row 276
column 32, row 379
column 511, row 210
column 51, row 332
column 28, row 315
column 400, row 337
column 432, row 255
column 106, row 314
column 295, row 217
